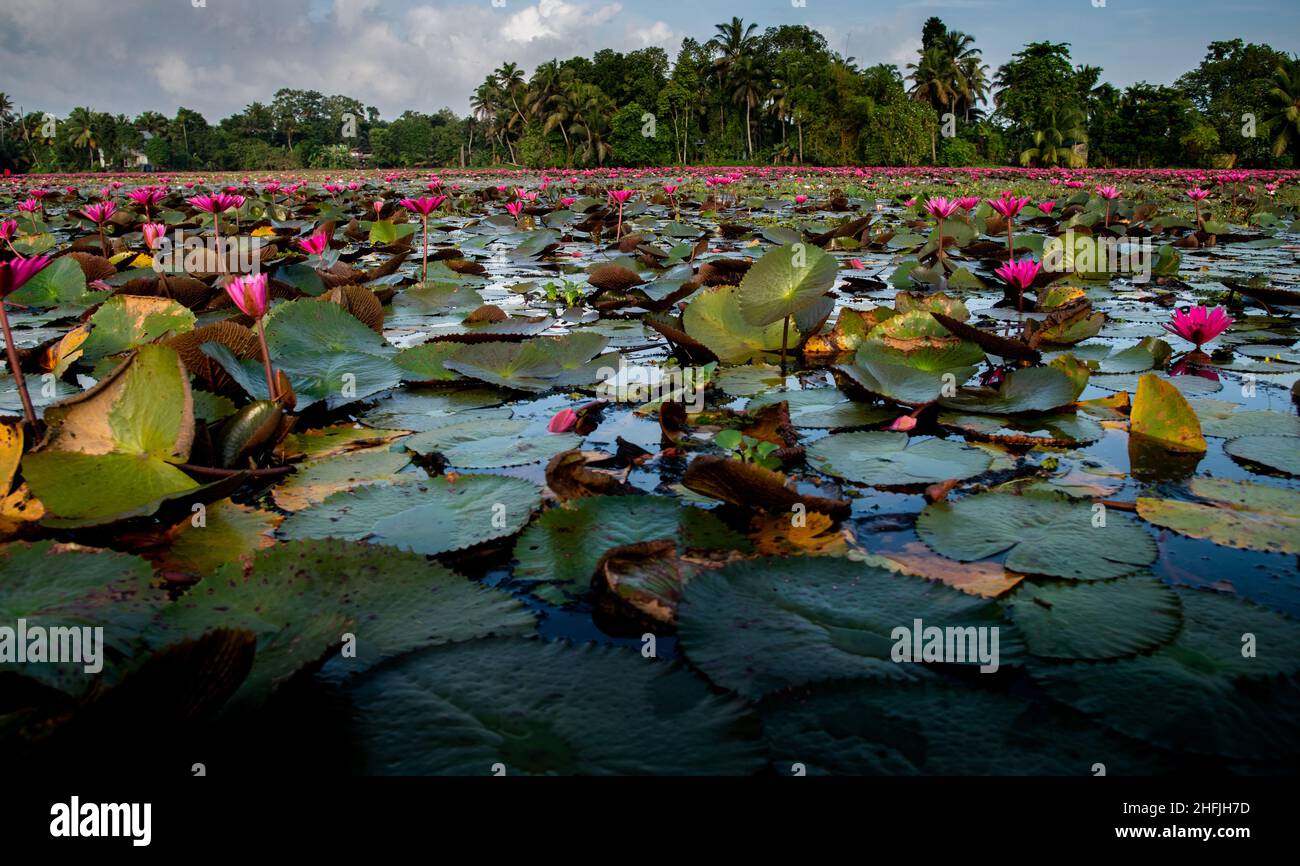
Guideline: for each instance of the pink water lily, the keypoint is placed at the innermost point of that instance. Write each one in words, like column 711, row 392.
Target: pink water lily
column 153, row 233
column 13, row 275
column 99, row 213
column 8, row 230
column 1198, row 195
column 1008, row 206
column 251, row 293
column 1019, row 275
column 1199, row 325
column 217, row 203
column 515, row 208
column 940, row 207
column 1047, row 207
column 1109, row 193
column 146, row 197
column 564, row 421
column 424, row 206
column 316, row 244
column 621, row 196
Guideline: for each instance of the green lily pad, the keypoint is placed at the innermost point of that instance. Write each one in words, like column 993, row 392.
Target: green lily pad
column 1243, row 515
column 892, row 459
column 1032, row 389
column 1040, row 532
column 538, row 364
column 327, row 353
column 916, row 339
column 316, row 480
column 52, row 586
column 1201, row 693
column 1099, row 620
column 301, row 598
column 784, row 281
column 1234, row 425
column 489, row 706
column 126, row 321
column 1064, row 430
column 425, row 363
column 562, row 548
column 1276, row 452
column 430, row 517
column 714, row 318
column 885, row 374
column 938, row 728
column 111, row 450
column 757, row 626
column 824, row 409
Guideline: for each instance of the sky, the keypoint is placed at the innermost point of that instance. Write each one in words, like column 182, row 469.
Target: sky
column 216, row 56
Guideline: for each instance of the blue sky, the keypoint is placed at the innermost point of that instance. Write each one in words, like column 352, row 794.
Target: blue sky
column 132, row 55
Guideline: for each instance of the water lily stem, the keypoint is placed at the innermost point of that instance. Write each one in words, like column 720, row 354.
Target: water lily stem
column 266, row 360
column 424, row 271
column 785, row 339
column 12, row 351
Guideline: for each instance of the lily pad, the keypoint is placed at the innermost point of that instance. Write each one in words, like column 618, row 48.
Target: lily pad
column 1040, row 532
column 1162, row 414
column 824, row 409
column 301, row 598
column 1032, row 389
column 890, row 459
column 1204, row 692
column 430, row 517
column 784, row 281
column 1276, row 452
column 714, row 319
column 1242, row 514
column 1099, row 620
column 49, row 585
column 757, row 626
column 489, row 706
column 564, row 546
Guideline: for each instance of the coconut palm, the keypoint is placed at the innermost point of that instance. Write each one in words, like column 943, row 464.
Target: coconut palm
column 561, row 110
column 932, row 82
column 733, row 40
column 1283, row 113
column 81, row 128
column 485, row 105
column 748, row 83
column 1054, row 142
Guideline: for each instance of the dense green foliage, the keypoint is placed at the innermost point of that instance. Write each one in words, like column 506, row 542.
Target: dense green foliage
column 781, row 97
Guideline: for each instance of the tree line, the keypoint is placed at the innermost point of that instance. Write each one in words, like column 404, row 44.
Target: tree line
column 778, row 97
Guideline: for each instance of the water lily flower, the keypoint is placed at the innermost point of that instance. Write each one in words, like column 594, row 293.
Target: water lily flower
column 801, row 199
column 1109, row 193
column 968, row 202
column 1020, row 276
column 13, row 275
column 564, row 421
column 153, row 233
column 217, row 203
column 567, row 200
column 1198, row 195
column 100, row 214
column 424, row 206
column 621, row 196
column 1008, row 206
column 1047, row 207
column 8, row 230
column 146, row 197
column 515, row 208
column 316, row 244
column 1199, row 325
column 251, row 294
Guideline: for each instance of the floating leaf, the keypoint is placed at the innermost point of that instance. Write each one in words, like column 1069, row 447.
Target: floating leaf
column 1162, row 414
column 1243, row 515
column 1099, row 620
column 462, row 710
column 295, row 597
column 1040, row 532
column 824, row 409
column 889, row 459
column 1276, row 452
column 758, row 626
column 783, row 282
column 429, row 517
column 714, row 319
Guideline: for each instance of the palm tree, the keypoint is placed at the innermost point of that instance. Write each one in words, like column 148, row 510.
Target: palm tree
column 1283, row 118
column 510, row 78
column 733, row 40
column 1054, row 142
column 592, row 112
column 932, row 83
column 561, row 110
column 484, row 105
column 747, row 86
column 81, row 127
